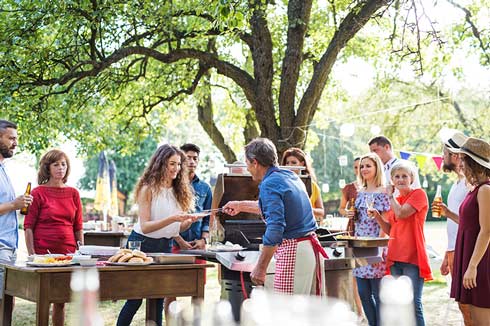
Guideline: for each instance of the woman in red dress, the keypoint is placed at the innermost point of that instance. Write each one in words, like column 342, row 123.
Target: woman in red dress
column 471, row 283
column 54, row 221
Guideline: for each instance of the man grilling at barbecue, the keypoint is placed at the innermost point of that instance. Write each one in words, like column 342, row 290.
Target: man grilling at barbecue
column 290, row 224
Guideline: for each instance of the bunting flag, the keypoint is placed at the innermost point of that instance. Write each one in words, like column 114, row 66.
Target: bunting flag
column 438, row 161
column 405, row 155
column 421, row 159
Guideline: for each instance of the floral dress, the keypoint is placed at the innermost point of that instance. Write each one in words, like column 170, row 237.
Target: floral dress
column 368, row 227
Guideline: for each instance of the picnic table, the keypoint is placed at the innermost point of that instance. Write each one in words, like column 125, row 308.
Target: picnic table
column 45, row 285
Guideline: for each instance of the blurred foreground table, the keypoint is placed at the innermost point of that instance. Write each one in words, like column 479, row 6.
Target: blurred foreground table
column 45, row 285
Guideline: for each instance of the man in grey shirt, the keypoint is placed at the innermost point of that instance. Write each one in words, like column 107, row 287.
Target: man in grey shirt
column 9, row 235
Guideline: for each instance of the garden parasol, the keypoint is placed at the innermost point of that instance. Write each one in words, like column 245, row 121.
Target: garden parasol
column 103, row 187
column 114, row 209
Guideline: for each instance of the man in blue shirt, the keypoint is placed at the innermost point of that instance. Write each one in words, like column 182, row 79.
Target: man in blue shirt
column 290, row 224
column 9, row 235
column 195, row 237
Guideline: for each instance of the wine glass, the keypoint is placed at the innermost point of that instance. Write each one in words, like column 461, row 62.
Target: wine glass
column 369, row 200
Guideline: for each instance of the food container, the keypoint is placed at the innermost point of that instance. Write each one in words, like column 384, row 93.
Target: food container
column 88, row 262
column 164, row 258
column 78, row 258
column 365, row 242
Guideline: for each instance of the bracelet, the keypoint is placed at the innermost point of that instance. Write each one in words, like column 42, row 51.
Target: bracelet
column 205, row 240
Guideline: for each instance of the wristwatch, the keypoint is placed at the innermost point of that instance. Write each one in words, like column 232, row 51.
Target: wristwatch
column 205, row 240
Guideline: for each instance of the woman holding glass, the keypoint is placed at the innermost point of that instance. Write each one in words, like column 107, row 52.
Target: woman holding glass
column 405, row 225
column 296, row 157
column 163, row 194
column 349, row 194
column 54, row 222
column 371, row 195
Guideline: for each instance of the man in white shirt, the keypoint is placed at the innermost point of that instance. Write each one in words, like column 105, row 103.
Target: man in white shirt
column 453, row 140
column 381, row 145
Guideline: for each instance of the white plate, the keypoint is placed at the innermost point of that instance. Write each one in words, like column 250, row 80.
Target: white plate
column 30, row 263
column 128, row 264
column 225, row 248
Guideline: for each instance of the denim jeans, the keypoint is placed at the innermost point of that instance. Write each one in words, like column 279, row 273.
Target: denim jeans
column 368, row 289
column 412, row 271
column 131, row 306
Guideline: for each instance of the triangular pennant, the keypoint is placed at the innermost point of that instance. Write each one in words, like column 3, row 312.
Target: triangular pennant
column 438, row 161
column 405, row 155
column 421, row 159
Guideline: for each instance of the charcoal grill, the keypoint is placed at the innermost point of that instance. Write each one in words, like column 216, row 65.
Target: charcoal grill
column 247, row 230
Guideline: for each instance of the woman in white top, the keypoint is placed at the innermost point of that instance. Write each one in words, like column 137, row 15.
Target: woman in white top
column 163, row 194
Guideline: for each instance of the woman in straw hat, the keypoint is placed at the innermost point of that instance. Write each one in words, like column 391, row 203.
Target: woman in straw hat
column 471, row 284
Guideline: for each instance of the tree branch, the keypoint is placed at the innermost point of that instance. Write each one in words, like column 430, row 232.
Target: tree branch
column 476, row 33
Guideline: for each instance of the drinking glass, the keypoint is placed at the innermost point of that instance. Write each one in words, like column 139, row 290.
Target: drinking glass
column 369, row 198
column 134, row 244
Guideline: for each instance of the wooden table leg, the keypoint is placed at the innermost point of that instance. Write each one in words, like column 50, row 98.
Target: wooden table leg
column 42, row 313
column 151, row 310
column 6, row 307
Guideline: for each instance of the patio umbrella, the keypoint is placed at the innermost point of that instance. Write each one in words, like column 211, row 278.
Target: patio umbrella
column 103, row 187
column 114, row 210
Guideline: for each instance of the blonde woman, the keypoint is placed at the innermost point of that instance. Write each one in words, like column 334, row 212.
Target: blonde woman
column 371, row 195
column 405, row 225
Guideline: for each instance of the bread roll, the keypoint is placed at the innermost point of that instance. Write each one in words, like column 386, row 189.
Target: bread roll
column 125, row 258
column 136, row 260
column 148, row 259
column 115, row 258
column 139, row 253
column 124, row 251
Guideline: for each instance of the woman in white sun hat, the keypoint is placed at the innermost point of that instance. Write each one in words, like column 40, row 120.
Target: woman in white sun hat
column 471, row 284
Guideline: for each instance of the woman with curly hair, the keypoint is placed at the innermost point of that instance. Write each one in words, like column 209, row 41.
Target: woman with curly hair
column 296, row 157
column 163, row 194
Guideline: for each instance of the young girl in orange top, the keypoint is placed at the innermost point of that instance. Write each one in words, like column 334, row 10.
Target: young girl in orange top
column 405, row 225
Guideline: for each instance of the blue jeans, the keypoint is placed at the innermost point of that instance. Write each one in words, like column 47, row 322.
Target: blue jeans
column 131, row 306
column 412, row 271
column 368, row 289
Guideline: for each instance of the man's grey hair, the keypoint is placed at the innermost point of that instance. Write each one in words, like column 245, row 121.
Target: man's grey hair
column 4, row 124
column 263, row 151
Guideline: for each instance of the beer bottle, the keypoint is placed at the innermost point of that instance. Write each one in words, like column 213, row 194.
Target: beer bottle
column 436, row 211
column 25, row 210
column 352, row 207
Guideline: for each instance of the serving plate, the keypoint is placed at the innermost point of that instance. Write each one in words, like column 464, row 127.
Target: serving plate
column 129, row 264
column 223, row 248
column 33, row 264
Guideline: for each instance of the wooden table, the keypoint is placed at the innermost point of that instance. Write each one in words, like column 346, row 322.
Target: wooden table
column 105, row 238
column 45, row 285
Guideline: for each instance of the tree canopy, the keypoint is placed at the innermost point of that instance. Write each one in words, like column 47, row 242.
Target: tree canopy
column 108, row 73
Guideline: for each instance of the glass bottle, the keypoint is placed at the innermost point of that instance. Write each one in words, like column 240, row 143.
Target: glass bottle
column 25, row 210
column 436, row 210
